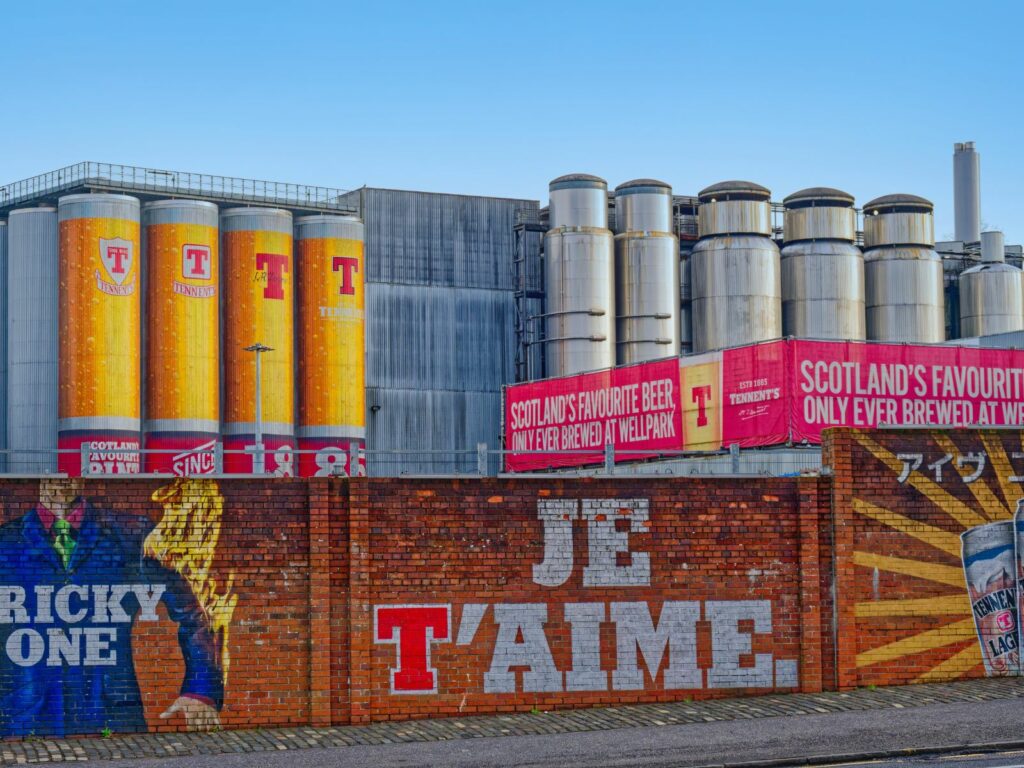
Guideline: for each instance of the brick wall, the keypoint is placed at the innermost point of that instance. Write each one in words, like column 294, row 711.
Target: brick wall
column 242, row 603
column 902, row 499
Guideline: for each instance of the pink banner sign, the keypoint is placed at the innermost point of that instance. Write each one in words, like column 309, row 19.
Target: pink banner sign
column 633, row 408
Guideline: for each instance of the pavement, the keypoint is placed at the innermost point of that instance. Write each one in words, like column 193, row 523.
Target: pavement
column 797, row 729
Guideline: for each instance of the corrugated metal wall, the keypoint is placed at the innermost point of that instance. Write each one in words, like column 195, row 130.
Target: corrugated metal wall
column 440, row 334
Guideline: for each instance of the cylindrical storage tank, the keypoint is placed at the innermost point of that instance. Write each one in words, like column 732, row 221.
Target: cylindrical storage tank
column 646, row 273
column 903, row 286
column 32, row 322
column 3, row 344
column 822, row 269
column 182, row 336
column 332, row 340
column 579, row 273
column 993, row 246
column 991, row 293
column 100, row 334
column 737, row 292
column 259, row 289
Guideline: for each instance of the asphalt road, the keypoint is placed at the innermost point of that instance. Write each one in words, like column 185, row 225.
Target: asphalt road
column 678, row 746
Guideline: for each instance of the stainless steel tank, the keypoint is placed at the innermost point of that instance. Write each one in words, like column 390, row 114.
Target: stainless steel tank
column 967, row 192
column 32, row 301
column 991, row 293
column 646, row 273
column 3, row 343
column 822, row 269
column 737, row 292
column 904, row 299
column 579, row 274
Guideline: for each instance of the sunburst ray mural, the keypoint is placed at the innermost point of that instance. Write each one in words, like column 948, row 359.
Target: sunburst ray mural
column 941, row 641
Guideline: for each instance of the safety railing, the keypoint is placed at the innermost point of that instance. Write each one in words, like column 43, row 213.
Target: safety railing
column 129, row 178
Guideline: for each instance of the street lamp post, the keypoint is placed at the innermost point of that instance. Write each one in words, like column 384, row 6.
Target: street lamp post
column 258, row 461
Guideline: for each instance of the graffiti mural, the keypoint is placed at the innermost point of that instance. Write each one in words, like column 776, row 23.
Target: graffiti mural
column 76, row 580
column 937, row 554
column 597, row 598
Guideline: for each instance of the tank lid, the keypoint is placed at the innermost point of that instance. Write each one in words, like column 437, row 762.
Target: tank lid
column 577, row 180
column 822, row 194
column 253, row 210
column 990, row 266
column 179, row 202
column 728, row 188
column 899, row 201
column 637, row 186
column 37, row 209
column 328, row 218
column 98, row 197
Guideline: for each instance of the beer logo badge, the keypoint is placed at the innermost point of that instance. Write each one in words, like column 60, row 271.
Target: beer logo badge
column 1005, row 621
column 196, row 264
column 116, row 255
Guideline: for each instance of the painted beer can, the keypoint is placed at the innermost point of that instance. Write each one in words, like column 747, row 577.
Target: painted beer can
column 990, row 569
column 99, row 401
column 332, row 328
column 182, row 336
column 1018, row 540
column 259, row 300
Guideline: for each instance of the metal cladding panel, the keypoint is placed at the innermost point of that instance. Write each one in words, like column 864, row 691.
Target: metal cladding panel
column 182, row 372
column 823, row 290
column 259, row 292
column 643, row 209
column 991, row 300
column 3, row 343
column 830, row 222
column 99, row 394
column 439, row 338
column 899, row 228
column 579, row 274
column 430, row 431
column 332, row 338
column 737, row 291
column 421, row 238
column 32, row 335
column 646, row 297
column 903, row 292
column 581, row 203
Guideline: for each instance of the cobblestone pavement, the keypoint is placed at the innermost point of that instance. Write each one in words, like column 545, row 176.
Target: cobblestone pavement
column 135, row 747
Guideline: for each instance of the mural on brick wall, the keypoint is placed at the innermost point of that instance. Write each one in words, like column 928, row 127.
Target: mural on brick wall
column 938, row 558
column 580, row 599
column 77, row 578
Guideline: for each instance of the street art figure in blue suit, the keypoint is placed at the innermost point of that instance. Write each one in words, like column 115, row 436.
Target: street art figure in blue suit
column 74, row 580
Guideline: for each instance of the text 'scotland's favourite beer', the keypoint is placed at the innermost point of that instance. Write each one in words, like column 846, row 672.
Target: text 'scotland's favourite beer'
column 991, row 570
column 182, row 337
column 259, row 288
column 1018, row 529
column 332, row 417
column 99, row 322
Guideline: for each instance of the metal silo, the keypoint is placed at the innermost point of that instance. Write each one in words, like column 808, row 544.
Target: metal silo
column 737, row 295
column 579, row 273
column 182, row 388
column 99, row 403
column 967, row 192
column 256, row 254
column 904, row 299
column 3, row 343
column 822, row 269
column 332, row 342
column 646, row 273
column 992, row 293
column 32, row 340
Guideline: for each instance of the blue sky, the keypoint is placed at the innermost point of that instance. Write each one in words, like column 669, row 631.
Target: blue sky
column 497, row 98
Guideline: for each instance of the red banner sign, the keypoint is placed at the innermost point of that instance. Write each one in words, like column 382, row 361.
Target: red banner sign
column 632, row 408
column 761, row 395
